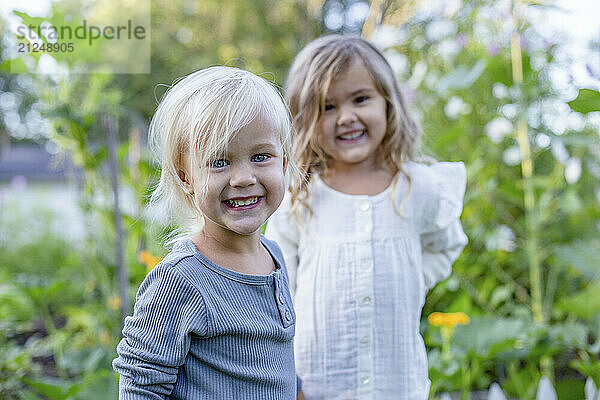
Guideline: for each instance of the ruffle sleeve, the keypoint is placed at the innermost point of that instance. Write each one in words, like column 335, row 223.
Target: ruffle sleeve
column 442, row 236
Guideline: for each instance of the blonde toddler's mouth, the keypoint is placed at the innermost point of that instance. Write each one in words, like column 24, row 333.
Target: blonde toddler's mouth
column 237, row 203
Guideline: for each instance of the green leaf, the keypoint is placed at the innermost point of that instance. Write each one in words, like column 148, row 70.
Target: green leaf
column 587, row 100
column 29, row 395
column 570, row 202
column 499, row 70
column 584, row 304
column 462, row 302
column 569, row 334
column 588, row 368
column 582, row 256
column 500, row 294
column 486, row 335
column 48, row 390
column 569, row 388
column 27, row 19
column 99, row 385
column 16, row 66
column 83, row 360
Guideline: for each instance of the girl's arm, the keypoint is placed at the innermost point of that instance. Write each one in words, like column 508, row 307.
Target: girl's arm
column 442, row 237
column 156, row 338
column 440, row 250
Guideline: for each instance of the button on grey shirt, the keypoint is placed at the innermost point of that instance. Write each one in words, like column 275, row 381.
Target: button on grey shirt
column 201, row 331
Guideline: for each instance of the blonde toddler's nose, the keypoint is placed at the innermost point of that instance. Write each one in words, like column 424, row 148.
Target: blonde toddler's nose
column 242, row 177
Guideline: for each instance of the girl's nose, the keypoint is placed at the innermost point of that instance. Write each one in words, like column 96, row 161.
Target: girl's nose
column 346, row 116
column 242, row 177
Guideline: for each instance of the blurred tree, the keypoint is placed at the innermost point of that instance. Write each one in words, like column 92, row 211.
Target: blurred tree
column 262, row 36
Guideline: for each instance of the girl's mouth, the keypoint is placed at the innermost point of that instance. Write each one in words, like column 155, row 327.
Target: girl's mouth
column 352, row 136
column 243, row 203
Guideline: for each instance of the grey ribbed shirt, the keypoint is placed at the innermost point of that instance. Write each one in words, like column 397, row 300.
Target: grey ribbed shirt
column 201, row 331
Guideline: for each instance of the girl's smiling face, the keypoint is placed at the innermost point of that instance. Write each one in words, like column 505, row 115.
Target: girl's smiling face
column 354, row 122
column 246, row 185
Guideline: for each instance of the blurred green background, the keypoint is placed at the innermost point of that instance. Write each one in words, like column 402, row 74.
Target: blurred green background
column 491, row 87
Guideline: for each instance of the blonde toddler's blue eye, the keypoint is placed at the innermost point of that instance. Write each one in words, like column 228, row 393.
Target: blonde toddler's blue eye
column 219, row 164
column 328, row 107
column 260, row 158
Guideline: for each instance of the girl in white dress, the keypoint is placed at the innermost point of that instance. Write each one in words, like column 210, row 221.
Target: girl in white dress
column 370, row 230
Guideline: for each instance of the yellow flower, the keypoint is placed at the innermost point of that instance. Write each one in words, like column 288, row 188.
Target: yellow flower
column 146, row 258
column 449, row 320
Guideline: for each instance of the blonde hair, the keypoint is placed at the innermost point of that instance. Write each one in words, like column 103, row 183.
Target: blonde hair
column 309, row 79
column 199, row 116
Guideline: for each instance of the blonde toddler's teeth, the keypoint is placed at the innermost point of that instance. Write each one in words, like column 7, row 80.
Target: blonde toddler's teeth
column 239, row 203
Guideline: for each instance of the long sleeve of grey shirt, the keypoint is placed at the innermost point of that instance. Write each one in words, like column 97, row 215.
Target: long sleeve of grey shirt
column 201, row 331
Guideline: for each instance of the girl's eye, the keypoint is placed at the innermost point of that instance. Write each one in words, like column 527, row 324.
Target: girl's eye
column 219, row 163
column 260, row 158
column 361, row 99
column 329, row 107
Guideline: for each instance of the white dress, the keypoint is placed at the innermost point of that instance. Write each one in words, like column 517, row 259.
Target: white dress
column 359, row 273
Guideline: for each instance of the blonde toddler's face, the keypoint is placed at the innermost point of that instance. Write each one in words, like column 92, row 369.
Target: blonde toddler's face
column 246, row 184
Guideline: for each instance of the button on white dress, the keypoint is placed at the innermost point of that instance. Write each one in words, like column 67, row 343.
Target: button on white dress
column 359, row 273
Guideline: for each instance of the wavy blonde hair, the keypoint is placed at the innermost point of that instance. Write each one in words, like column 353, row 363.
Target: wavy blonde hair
column 309, row 79
column 199, row 116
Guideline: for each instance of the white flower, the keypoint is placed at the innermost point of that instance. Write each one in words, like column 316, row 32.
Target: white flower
column 503, row 238
column 497, row 128
column 510, row 110
column 185, row 35
column 398, row 61
column 545, row 390
column 559, row 151
column 448, row 49
column 512, row 156
column 499, row 91
column 573, row 170
column 496, row 393
column 440, row 29
column 542, row 140
column 455, row 107
column 386, row 36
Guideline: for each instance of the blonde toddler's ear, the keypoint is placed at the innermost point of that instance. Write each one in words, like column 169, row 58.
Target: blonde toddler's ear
column 186, row 182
